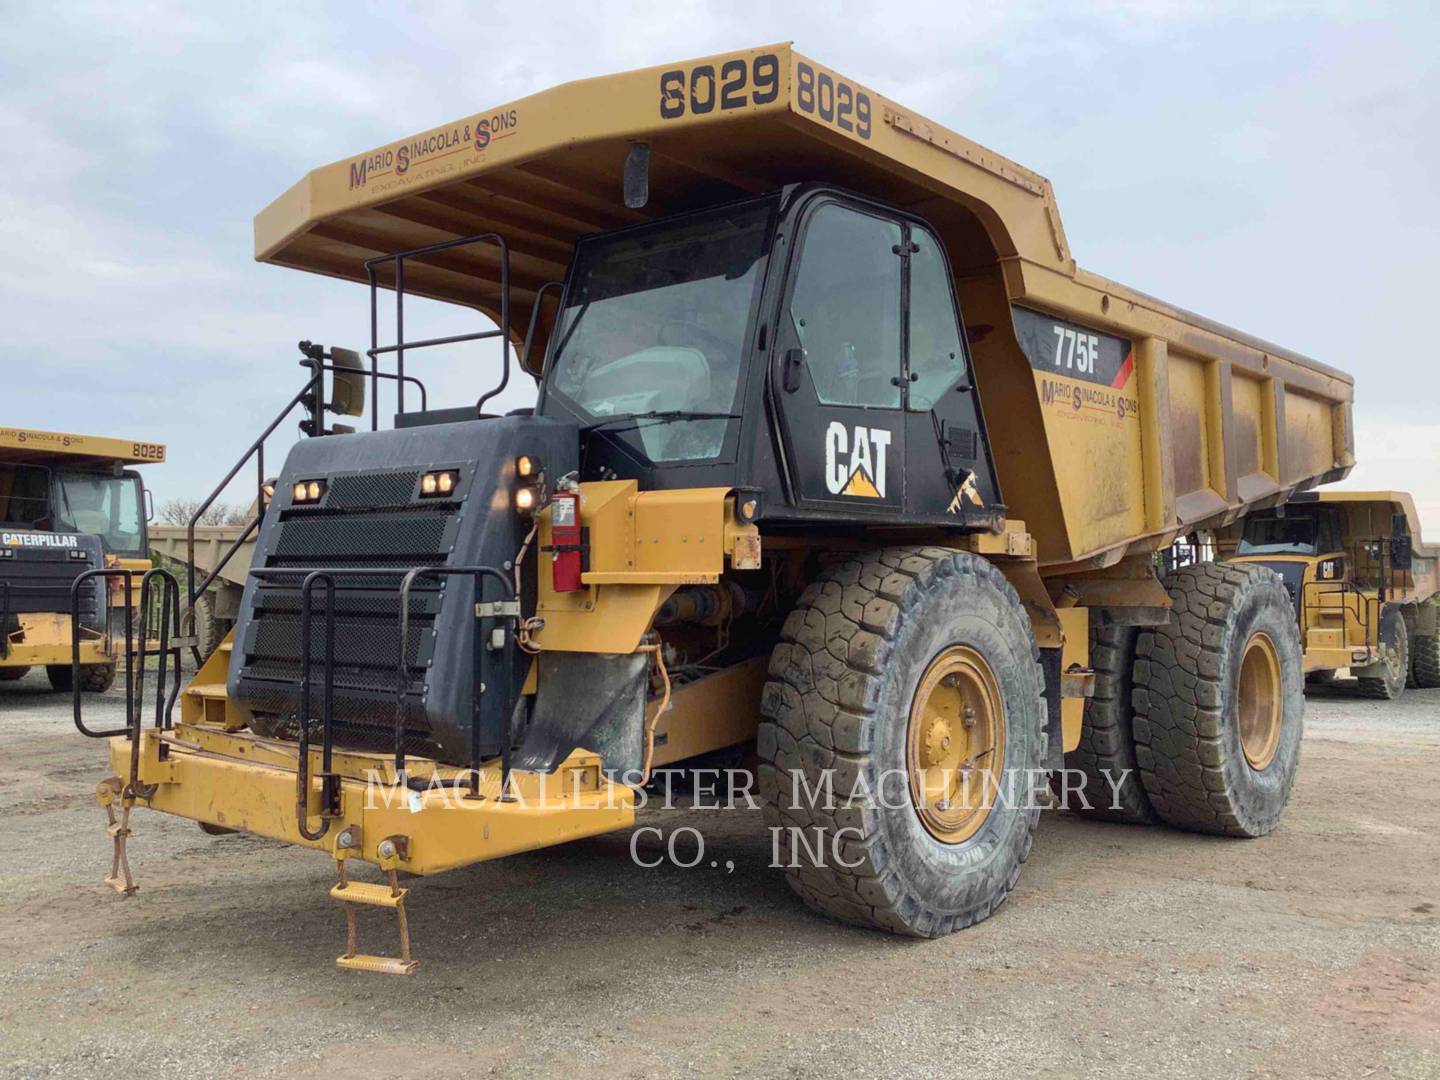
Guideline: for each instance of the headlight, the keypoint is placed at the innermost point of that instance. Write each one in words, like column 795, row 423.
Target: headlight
column 526, row 499
column 527, row 466
column 308, row 491
column 442, row 482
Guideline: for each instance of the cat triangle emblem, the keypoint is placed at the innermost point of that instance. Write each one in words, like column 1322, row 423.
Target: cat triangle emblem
column 860, row 485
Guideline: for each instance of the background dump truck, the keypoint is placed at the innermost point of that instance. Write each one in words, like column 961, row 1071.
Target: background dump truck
column 201, row 551
column 1361, row 578
column 837, row 454
column 67, row 504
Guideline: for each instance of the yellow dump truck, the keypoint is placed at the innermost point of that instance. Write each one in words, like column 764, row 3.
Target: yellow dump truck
column 206, row 551
column 837, row 455
column 68, row 504
column 1361, row 578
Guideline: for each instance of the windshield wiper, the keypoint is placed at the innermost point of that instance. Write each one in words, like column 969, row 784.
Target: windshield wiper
column 658, row 416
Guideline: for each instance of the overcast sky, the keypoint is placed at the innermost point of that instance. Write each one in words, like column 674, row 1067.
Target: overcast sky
column 1270, row 165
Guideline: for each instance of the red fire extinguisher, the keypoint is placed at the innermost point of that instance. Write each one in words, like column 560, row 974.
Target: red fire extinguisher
column 568, row 546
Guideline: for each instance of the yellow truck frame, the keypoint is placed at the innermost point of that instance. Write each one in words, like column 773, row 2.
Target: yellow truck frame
column 1200, row 424
column 43, row 638
column 1365, row 598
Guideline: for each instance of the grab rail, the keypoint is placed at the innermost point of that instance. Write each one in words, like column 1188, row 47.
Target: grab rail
column 168, row 646
column 309, row 396
column 376, row 350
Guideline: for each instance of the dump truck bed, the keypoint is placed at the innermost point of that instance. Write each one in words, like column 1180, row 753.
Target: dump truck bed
column 26, row 446
column 211, row 543
column 1192, row 423
column 1398, row 503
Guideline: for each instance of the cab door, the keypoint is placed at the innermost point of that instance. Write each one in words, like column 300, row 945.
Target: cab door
column 950, row 473
column 837, row 379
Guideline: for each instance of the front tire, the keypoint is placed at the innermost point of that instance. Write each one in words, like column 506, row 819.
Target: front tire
column 1219, row 702
column 94, row 678
column 896, row 671
column 1394, row 662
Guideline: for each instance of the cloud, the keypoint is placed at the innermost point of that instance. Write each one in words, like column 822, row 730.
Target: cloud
column 1399, row 457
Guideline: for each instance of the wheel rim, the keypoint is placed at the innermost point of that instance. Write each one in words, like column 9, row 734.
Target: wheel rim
column 1260, row 699
column 955, row 744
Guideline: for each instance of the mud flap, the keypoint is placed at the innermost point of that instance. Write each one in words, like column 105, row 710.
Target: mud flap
column 594, row 701
column 1055, row 739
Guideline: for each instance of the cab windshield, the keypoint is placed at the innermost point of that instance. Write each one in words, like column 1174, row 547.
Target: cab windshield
column 106, row 506
column 24, row 496
column 1293, row 534
column 650, row 343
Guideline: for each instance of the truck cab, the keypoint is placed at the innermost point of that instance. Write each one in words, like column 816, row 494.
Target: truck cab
column 836, row 310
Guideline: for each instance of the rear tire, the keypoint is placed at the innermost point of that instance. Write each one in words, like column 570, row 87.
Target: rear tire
column 94, row 678
column 208, row 632
column 860, row 662
column 1113, row 790
column 1219, row 707
column 1394, row 662
column 1425, row 661
column 13, row 674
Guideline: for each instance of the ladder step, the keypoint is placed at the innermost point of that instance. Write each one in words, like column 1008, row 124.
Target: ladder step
column 384, row 965
column 362, row 892
column 212, row 691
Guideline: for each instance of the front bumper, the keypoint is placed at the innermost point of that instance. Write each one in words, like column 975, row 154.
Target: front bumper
column 44, row 638
column 238, row 781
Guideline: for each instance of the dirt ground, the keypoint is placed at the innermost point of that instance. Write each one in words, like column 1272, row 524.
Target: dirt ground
column 1123, row 952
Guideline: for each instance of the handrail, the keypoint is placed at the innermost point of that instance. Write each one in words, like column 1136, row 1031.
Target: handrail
column 134, row 681
column 479, row 574
column 1385, row 584
column 327, row 708
column 256, row 449
column 308, row 394
column 376, row 350
column 535, row 322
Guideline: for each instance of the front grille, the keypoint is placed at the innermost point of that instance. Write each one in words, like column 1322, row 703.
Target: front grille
column 326, row 539
column 40, row 581
column 372, row 490
column 366, row 521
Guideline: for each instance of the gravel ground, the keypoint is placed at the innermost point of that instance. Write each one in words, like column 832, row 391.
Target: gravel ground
column 1123, row 952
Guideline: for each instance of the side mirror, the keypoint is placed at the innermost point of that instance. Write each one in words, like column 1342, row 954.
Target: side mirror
column 1400, row 552
column 347, row 390
column 149, row 505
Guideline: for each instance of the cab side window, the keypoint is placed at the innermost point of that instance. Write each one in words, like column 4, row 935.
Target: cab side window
column 937, row 363
column 846, row 307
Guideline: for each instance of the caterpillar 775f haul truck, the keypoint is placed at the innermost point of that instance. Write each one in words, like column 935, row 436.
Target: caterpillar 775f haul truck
column 68, row 504
column 837, row 454
column 1363, row 582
